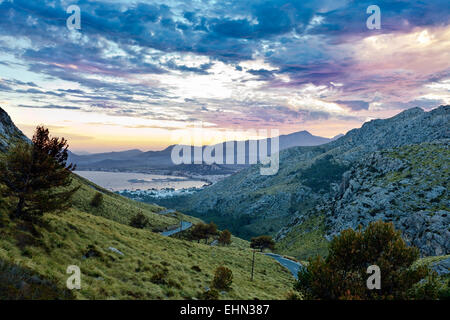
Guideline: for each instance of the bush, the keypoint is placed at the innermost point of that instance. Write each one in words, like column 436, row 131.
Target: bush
column 139, row 221
column 342, row 275
column 444, row 292
column 160, row 277
column 262, row 243
column 293, row 295
column 196, row 268
column 427, row 289
column 203, row 231
column 211, row 294
column 20, row 283
column 225, row 237
column 223, row 278
column 97, row 200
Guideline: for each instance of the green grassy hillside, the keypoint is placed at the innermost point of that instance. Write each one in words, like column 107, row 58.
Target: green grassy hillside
column 121, row 209
column 151, row 267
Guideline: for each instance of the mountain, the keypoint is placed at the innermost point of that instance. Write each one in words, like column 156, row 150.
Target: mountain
column 116, row 260
column 8, row 131
column 251, row 204
column 136, row 160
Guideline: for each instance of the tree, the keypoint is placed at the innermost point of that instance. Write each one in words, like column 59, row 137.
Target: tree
column 97, row 200
column 343, row 273
column 139, row 221
column 225, row 237
column 211, row 230
column 203, row 231
column 223, row 278
column 37, row 176
column 262, row 242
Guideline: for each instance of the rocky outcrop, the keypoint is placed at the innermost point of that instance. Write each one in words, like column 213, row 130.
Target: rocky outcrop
column 407, row 186
column 8, row 131
column 442, row 267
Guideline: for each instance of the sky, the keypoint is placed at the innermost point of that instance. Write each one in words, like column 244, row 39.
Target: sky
column 137, row 72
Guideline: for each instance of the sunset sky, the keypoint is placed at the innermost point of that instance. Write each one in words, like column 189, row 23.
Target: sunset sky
column 137, row 71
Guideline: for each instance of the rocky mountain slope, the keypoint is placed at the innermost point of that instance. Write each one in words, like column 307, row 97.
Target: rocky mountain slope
column 251, row 204
column 8, row 131
column 406, row 185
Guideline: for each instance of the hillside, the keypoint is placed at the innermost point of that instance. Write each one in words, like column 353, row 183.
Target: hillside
column 250, row 204
column 116, row 260
column 406, row 185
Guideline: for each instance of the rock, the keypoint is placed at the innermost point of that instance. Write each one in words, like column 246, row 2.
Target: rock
column 435, row 193
column 442, row 267
column 115, row 251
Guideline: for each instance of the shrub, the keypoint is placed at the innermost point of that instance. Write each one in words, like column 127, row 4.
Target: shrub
column 211, row 294
column 262, row 243
column 444, row 292
column 293, row 295
column 196, row 268
column 160, row 277
column 342, row 275
column 225, row 237
column 427, row 289
column 20, row 283
column 97, row 200
column 203, row 231
column 139, row 221
column 223, row 278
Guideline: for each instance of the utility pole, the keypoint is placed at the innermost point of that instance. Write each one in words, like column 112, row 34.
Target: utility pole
column 253, row 263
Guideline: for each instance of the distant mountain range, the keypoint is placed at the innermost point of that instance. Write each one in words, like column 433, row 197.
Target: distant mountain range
column 394, row 169
column 136, row 160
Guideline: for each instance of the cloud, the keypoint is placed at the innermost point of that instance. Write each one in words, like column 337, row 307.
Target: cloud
column 228, row 62
column 354, row 105
column 50, row 106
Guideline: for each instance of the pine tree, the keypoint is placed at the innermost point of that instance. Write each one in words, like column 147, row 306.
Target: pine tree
column 37, row 176
column 262, row 242
column 225, row 237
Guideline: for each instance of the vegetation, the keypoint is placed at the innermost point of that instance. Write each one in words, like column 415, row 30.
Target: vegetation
column 204, row 231
column 108, row 275
column 225, row 237
column 211, row 294
column 223, row 278
column 18, row 283
column 97, row 200
column 37, row 176
column 116, row 260
column 305, row 240
column 323, row 172
column 342, row 275
column 262, row 242
column 139, row 221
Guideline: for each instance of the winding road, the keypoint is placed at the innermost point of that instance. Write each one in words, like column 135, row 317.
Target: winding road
column 184, row 226
column 291, row 265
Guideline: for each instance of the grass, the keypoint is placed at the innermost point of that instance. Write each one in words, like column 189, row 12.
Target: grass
column 121, row 209
column 152, row 267
column 305, row 240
